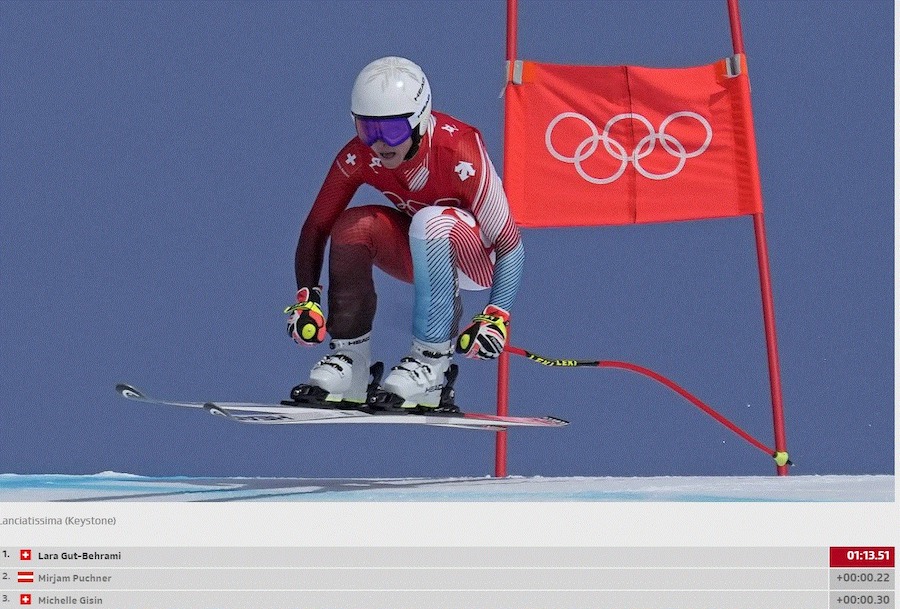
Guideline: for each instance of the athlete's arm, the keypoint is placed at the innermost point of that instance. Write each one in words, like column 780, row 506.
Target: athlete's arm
column 491, row 209
column 334, row 196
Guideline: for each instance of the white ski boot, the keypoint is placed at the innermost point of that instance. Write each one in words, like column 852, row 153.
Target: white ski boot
column 419, row 379
column 341, row 377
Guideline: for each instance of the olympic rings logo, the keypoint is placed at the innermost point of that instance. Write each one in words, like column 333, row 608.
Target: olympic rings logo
column 617, row 151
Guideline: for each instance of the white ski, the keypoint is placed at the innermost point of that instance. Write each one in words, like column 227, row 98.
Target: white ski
column 280, row 414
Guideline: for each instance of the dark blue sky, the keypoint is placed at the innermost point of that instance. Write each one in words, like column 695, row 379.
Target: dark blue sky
column 158, row 159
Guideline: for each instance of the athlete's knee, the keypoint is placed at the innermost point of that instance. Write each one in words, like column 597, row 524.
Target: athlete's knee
column 355, row 225
column 436, row 222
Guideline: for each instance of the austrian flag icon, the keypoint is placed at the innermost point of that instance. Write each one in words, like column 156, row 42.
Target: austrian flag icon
column 26, row 577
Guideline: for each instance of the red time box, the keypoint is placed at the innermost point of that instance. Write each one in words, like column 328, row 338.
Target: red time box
column 862, row 556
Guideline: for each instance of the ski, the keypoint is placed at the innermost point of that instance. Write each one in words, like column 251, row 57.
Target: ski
column 284, row 414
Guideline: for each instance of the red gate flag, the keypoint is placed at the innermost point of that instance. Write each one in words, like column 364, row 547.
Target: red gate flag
column 605, row 145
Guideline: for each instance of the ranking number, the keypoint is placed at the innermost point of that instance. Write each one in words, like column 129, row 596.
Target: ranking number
column 864, row 599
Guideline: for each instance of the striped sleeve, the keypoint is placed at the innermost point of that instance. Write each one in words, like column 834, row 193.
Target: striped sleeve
column 491, row 210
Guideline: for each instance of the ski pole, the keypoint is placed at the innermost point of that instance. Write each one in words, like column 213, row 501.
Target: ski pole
column 781, row 458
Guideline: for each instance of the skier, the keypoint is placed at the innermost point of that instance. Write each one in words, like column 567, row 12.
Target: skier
column 450, row 228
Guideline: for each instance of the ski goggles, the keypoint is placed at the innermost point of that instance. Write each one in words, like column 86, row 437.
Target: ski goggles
column 393, row 130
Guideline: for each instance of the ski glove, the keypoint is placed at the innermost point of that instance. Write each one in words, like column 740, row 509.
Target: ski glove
column 486, row 337
column 306, row 324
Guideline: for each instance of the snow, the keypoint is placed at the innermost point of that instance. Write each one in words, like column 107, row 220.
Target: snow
column 113, row 486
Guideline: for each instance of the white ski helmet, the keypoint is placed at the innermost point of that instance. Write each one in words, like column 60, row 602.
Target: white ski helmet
column 393, row 86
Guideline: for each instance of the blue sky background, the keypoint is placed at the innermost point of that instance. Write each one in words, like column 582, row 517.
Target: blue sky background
column 158, row 159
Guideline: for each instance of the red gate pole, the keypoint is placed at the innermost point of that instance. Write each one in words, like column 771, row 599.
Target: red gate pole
column 765, row 277
column 503, row 364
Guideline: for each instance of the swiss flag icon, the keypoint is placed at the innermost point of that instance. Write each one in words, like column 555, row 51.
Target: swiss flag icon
column 24, row 599
column 25, row 554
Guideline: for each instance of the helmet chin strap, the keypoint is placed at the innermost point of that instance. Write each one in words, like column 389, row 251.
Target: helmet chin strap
column 416, row 141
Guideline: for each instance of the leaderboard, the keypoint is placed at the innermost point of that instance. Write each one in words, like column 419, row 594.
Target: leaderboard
column 433, row 578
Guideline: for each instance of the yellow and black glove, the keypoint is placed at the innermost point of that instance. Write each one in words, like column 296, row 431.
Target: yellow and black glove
column 306, row 323
column 486, row 337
